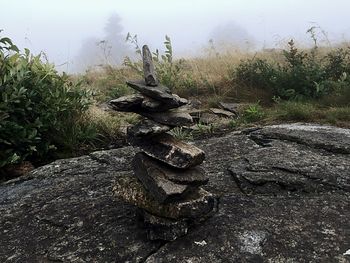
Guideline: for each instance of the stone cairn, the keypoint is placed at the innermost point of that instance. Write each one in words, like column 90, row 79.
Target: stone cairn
column 167, row 179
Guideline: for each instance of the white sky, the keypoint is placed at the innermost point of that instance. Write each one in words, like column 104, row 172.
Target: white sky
column 59, row 26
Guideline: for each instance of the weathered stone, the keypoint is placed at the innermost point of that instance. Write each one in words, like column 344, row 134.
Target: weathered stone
column 267, row 229
column 171, row 118
column 155, row 182
column 281, row 166
column 195, row 103
column 232, row 107
column 189, row 109
column 148, row 68
column 139, row 103
column 160, row 93
column 146, row 128
column 182, row 101
column 196, row 204
column 131, row 103
column 222, row 113
column 171, row 151
column 193, row 176
column 160, row 228
column 152, row 105
column 193, row 112
column 320, row 136
column 208, row 118
column 64, row 211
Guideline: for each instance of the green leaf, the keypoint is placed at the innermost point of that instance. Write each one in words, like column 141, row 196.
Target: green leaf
column 168, row 46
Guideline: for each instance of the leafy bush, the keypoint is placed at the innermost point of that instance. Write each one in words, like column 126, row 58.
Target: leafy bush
column 302, row 75
column 39, row 108
column 256, row 73
column 253, row 113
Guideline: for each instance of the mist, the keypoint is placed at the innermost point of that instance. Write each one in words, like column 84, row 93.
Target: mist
column 79, row 34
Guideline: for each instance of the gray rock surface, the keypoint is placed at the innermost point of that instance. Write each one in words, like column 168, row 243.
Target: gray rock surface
column 159, row 228
column 284, row 197
column 323, row 137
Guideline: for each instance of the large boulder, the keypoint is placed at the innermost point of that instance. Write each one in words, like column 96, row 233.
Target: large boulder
column 283, row 197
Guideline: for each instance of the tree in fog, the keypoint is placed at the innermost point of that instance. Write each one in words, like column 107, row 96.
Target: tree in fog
column 231, row 34
column 111, row 49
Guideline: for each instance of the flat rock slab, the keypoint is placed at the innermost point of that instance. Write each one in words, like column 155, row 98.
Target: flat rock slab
column 232, row 107
column 222, row 113
column 159, row 93
column 147, row 128
column 171, row 151
column 139, row 103
column 318, row 136
column 297, row 168
column 297, row 158
column 65, row 211
column 155, row 181
column 129, row 103
column 171, row 118
column 154, row 105
column 159, row 228
column 197, row 204
column 195, row 176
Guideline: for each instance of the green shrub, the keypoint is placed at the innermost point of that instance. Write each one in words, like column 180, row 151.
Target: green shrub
column 255, row 73
column 302, row 75
column 38, row 107
column 338, row 62
column 253, row 113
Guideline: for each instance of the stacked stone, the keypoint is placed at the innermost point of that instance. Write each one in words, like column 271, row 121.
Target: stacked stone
column 166, row 185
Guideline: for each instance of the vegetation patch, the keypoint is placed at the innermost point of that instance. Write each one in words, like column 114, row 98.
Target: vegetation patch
column 39, row 109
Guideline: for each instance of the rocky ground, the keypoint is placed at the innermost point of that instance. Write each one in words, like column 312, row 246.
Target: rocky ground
column 284, row 196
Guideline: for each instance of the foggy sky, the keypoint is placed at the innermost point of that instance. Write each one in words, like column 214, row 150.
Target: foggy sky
column 60, row 28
